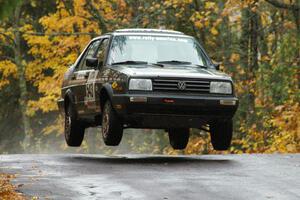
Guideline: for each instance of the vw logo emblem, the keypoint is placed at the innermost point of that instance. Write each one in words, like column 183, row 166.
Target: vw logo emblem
column 181, row 85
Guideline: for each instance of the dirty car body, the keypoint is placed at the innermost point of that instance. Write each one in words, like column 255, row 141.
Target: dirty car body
column 150, row 79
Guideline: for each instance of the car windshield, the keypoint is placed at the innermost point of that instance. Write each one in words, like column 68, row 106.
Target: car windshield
column 156, row 49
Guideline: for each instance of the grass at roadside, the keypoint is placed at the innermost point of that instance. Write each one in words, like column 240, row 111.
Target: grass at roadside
column 7, row 189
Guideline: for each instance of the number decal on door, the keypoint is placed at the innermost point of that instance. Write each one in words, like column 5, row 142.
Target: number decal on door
column 89, row 99
column 90, row 91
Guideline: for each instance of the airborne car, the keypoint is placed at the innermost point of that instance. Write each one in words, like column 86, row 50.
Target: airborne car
column 147, row 78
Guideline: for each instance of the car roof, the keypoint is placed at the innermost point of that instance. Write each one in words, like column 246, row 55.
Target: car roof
column 144, row 31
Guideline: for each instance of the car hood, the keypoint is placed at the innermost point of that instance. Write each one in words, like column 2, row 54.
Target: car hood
column 170, row 71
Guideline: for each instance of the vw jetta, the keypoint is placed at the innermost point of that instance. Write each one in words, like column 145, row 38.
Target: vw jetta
column 147, row 78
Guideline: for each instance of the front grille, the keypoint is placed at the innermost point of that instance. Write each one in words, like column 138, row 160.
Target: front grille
column 173, row 85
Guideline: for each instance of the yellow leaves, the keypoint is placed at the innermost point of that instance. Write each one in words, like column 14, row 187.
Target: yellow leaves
column 234, row 57
column 231, row 7
column 253, row 9
column 45, row 104
column 107, row 9
column 285, row 124
column 167, row 3
column 198, row 24
column 33, row 4
column 279, row 108
column 7, row 69
column 291, row 148
column 26, row 28
column 205, row 19
column 289, row 25
column 235, row 19
column 214, row 31
column 52, row 54
column 7, row 190
column 39, row 44
column 265, row 58
column 209, row 5
column 206, row 23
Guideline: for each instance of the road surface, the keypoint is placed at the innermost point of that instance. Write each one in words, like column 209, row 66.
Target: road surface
column 77, row 176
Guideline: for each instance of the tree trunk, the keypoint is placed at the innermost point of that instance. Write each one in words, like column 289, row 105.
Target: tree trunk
column 244, row 48
column 249, row 58
column 21, row 76
column 253, row 63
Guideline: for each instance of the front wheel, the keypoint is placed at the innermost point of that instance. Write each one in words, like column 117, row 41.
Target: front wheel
column 179, row 137
column 74, row 129
column 112, row 128
column 221, row 134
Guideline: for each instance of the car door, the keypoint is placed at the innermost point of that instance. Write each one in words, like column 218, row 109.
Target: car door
column 92, row 102
column 80, row 76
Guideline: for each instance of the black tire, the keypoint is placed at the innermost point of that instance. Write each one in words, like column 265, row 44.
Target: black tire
column 179, row 137
column 112, row 127
column 221, row 134
column 74, row 129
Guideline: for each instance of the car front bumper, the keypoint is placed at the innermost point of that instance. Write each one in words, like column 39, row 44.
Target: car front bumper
column 171, row 111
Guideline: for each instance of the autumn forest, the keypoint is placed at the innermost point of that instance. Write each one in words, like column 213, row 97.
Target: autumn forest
column 257, row 42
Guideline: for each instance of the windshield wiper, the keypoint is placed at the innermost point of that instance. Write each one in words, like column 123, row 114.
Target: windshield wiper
column 157, row 64
column 181, row 62
column 177, row 62
column 130, row 62
column 201, row 66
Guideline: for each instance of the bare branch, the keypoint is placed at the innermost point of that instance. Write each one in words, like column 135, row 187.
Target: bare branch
column 8, row 58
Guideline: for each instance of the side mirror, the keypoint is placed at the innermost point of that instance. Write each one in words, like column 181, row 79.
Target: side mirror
column 91, row 62
column 217, row 66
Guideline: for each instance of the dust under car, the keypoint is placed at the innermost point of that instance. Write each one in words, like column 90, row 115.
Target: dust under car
column 147, row 78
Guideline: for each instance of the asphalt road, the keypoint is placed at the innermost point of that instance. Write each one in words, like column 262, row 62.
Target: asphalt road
column 146, row 177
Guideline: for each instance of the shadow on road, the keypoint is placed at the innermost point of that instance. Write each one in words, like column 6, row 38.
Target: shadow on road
column 150, row 160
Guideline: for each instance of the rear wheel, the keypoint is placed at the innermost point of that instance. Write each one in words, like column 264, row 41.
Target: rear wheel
column 221, row 134
column 112, row 128
column 179, row 137
column 74, row 129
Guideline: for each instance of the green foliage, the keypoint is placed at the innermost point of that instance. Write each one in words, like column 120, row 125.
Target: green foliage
column 7, row 7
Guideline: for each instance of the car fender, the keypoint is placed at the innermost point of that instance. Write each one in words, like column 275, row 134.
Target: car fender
column 109, row 91
column 70, row 96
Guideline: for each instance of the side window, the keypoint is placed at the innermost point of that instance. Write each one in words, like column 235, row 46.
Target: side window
column 102, row 50
column 89, row 53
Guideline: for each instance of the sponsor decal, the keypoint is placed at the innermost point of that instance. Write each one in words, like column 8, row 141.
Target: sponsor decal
column 157, row 38
column 114, row 85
